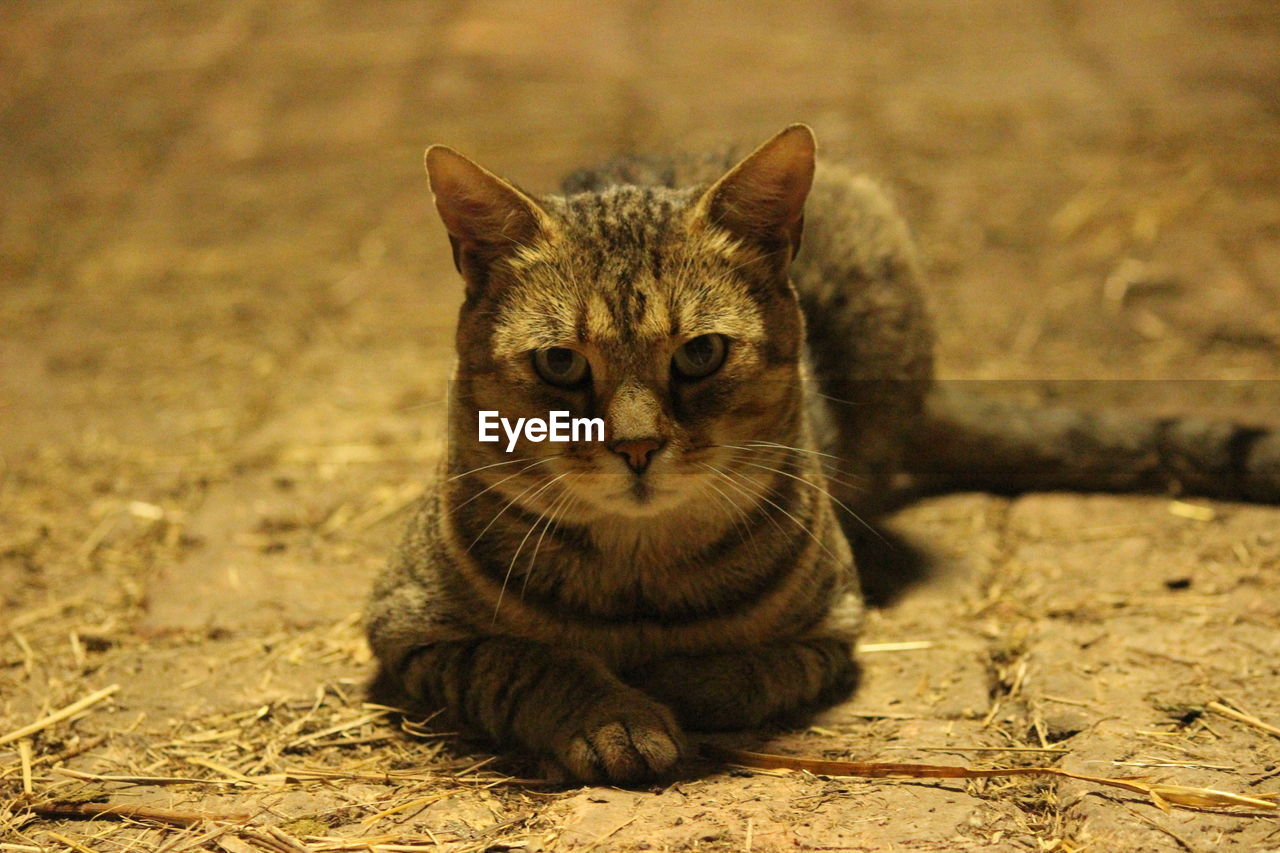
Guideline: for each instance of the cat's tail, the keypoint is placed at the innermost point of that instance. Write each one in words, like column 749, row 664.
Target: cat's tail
column 968, row 441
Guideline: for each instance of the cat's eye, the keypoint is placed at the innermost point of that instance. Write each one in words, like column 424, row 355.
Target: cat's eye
column 561, row 366
column 700, row 357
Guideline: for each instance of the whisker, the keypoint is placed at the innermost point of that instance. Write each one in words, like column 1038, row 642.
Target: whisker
column 762, row 446
column 554, row 513
column 741, row 457
column 500, row 512
column 503, row 480
column 837, row 399
column 734, row 512
column 492, row 465
column 743, row 491
column 516, row 556
column 835, row 499
column 857, row 487
column 797, row 521
column 419, row 406
column 809, row 450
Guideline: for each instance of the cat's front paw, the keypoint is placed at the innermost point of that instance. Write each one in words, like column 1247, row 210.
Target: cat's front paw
column 625, row 738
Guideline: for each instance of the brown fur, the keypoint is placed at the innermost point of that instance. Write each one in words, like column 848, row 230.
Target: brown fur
column 562, row 603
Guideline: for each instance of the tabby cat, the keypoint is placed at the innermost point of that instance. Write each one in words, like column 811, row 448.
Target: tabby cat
column 587, row 602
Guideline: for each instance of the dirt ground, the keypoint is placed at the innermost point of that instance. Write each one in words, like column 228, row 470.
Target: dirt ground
column 225, row 330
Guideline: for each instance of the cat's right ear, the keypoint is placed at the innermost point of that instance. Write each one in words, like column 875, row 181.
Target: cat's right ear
column 487, row 218
column 761, row 200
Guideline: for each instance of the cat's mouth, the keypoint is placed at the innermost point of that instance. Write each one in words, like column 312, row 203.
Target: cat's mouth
column 628, row 494
column 641, row 491
column 640, row 497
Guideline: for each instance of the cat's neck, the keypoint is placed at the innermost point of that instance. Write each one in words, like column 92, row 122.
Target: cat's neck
column 662, row 540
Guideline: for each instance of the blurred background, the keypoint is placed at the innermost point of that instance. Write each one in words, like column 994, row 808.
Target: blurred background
column 219, row 254
column 220, row 259
column 226, row 312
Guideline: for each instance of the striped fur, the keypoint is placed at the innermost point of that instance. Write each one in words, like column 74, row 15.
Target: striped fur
column 561, row 604
column 551, row 598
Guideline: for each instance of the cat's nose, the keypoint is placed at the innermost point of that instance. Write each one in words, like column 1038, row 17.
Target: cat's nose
column 637, row 451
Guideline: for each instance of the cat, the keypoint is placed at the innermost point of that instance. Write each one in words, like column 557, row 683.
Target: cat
column 588, row 602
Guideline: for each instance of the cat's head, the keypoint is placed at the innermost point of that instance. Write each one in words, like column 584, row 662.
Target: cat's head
column 666, row 313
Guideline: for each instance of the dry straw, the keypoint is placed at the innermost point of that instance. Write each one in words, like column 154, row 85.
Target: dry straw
column 1162, row 795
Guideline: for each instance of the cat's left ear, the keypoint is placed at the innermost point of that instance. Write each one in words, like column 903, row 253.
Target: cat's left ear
column 761, row 200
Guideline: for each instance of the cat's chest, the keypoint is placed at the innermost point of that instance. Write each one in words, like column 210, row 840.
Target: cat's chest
column 629, row 610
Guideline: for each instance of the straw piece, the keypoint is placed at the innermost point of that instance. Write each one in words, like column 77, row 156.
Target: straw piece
column 141, row 780
column 24, row 753
column 906, row 646
column 60, row 715
column 406, row 806
column 1241, row 717
column 1055, row 750
column 70, row 842
column 1160, row 794
column 335, row 729
column 97, row 811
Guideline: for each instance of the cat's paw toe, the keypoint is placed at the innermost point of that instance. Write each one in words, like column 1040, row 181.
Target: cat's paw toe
column 622, row 740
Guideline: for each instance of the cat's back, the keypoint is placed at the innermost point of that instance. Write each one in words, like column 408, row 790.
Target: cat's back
column 869, row 332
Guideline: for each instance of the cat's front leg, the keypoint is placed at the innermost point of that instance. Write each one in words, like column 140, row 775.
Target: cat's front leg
column 557, row 703
column 749, row 687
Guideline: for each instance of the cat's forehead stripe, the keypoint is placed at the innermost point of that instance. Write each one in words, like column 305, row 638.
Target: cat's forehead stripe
column 624, row 311
column 596, row 312
column 625, row 303
column 625, row 268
